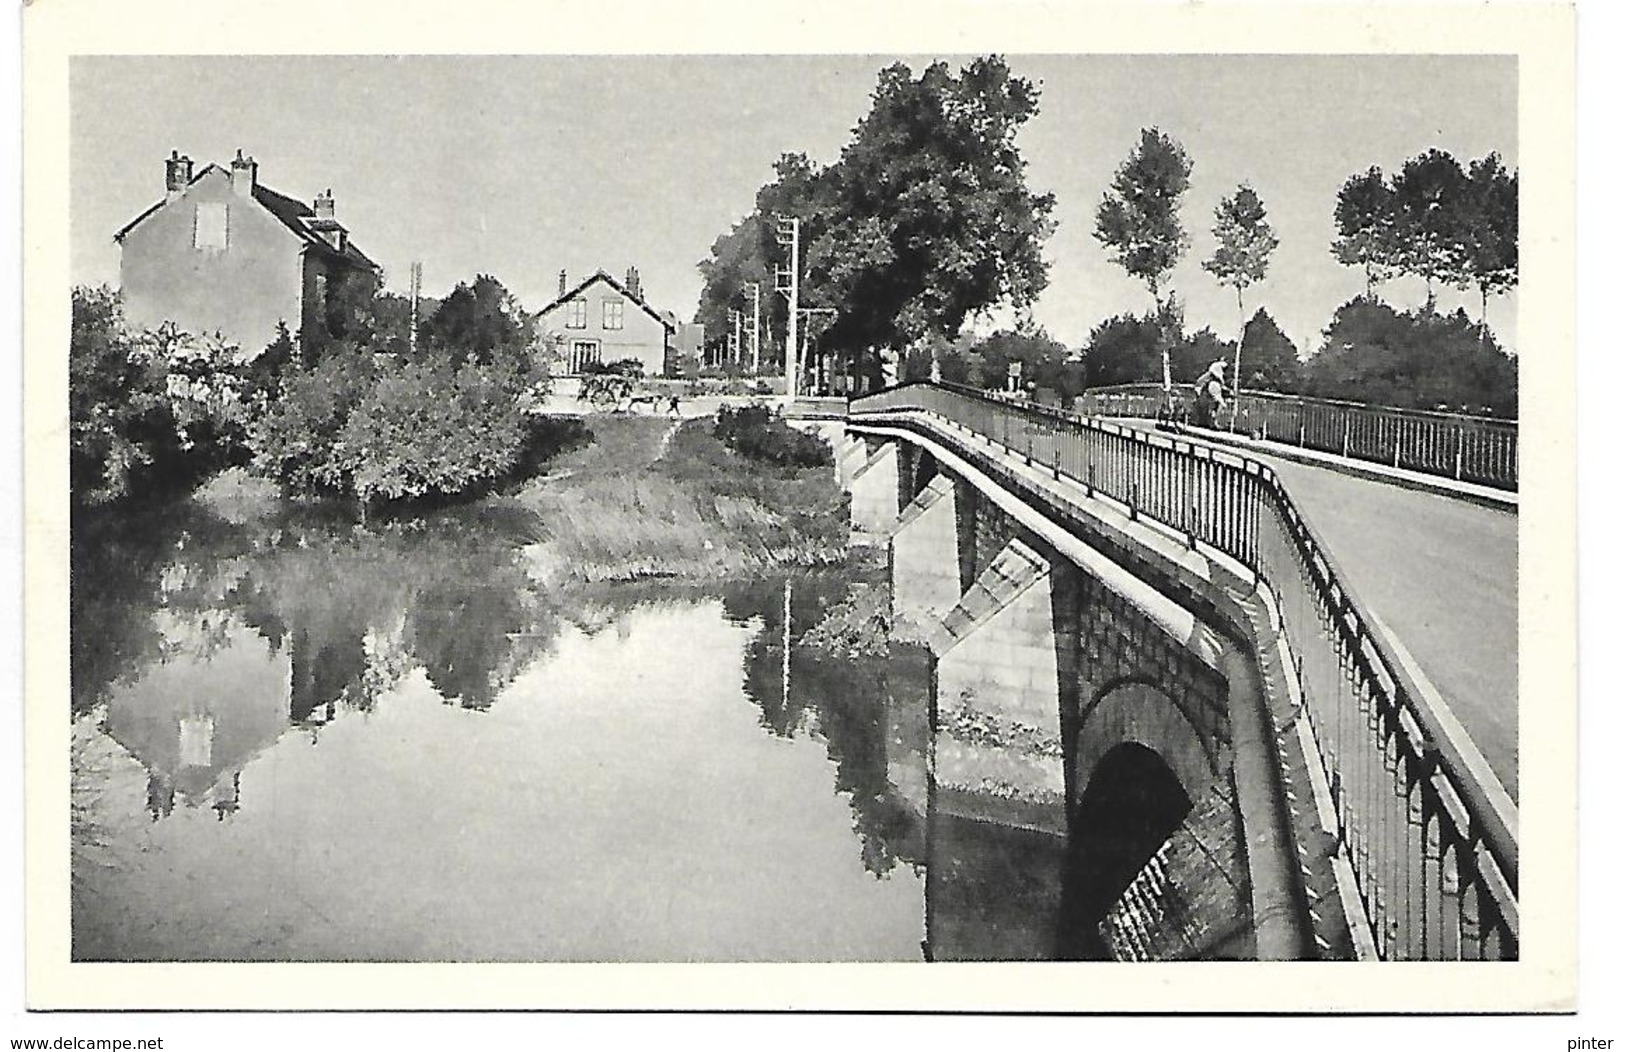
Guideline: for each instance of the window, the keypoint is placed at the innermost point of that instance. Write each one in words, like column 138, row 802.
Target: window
column 612, row 314
column 575, row 314
column 582, row 354
column 209, row 226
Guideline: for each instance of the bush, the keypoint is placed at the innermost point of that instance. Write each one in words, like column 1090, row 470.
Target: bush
column 429, row 429
column 755, row 432
column 150, row 413
column 293, row 441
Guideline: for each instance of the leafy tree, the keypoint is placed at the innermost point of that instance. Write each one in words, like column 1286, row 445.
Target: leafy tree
column 924, row 220
column 481, row 322
column 1138, row 219
column 1430, row 198
column 1418, row 359
column 1272, row 359
column 1367, row 227
column 1122, row 350
column 150, row 411
column 120, row 423
column 1490, row 233
column 1245, row 241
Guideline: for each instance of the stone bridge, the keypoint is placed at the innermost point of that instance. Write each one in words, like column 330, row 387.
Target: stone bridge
column 1121, row 699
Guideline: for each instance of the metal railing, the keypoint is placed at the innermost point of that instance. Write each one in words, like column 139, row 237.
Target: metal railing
column 1468, row 448
column 1427, row 831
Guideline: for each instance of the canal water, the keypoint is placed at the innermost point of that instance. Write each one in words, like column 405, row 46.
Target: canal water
column 305, row 740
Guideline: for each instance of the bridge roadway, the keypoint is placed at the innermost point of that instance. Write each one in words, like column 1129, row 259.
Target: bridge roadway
column 1442, row 574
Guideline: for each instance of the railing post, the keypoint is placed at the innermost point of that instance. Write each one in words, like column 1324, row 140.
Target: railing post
column 1461, row 438
column 1347, row 423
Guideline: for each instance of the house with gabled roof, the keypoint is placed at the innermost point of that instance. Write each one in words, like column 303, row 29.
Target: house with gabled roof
column 602, row 320
column 224, row 253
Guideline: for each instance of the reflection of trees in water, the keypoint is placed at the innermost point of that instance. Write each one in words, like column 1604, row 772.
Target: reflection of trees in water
column 352, row 607
column 846, row 701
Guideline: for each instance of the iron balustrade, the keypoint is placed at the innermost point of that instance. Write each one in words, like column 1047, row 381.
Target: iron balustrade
column 1468, row 448
column 1428, row 834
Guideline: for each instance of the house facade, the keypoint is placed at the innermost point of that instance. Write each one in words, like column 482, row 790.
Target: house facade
column 602, row 320
column 223, row 253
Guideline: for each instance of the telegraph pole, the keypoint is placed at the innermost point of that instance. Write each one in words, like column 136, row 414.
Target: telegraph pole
column 735, row 318
column 755, row 327
column 417, row 290
column 788, row 281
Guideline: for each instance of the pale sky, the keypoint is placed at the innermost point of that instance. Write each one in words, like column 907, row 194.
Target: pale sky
column 521, row 166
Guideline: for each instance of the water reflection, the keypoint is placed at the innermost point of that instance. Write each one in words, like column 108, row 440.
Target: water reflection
column 299, row 739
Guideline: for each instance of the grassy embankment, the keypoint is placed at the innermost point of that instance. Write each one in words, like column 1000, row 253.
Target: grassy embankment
column 644, row 500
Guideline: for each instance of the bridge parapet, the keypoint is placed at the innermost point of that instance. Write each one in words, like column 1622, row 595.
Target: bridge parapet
column 1462, row 446
column 1430, row 836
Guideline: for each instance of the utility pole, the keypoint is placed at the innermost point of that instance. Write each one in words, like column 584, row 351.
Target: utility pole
column 735, row 318
column 788, row 281
column 755, row 327
column 417, row 290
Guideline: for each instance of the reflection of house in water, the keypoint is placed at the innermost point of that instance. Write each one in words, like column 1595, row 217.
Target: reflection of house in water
column 196, row 720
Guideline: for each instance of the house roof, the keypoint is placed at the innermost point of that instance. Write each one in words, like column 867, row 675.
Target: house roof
column 290, row 212
column 618, row 287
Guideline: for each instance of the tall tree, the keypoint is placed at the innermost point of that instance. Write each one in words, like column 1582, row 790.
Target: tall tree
column 1271, row 355
column 1245, row 242
column 925, row 219
column 481, row 322
column 1367, row 227
column 1138, row 219
column 1489, row 234
column 1430, row 198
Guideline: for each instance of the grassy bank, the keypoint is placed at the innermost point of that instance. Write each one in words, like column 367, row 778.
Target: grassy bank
column 647, row 500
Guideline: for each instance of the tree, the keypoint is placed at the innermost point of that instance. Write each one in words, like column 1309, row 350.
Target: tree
column 1490, row 233
column 932, row 219
column 1367, row 227
column 924, row 220
column 1419, row 359
column 1271, row 355
column 1243, row 254
column 1430, row 199
column 481, row 322
column 1122, row 350
column 1138, row 219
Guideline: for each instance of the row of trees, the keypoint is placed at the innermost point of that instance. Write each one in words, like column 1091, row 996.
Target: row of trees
column 356, row 409
column 1433, row 220
column 1369, row 352
column 926, row 220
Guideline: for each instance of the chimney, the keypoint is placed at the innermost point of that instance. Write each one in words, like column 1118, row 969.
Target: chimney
column 634, row 283
column 324, row 204
column 177, row 174
column 561, row 284
column 243, row 174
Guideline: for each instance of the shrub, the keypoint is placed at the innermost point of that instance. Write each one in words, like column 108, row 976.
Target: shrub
column 149, row 412
column 755, row 432
column 429, row 429
column 293, row 441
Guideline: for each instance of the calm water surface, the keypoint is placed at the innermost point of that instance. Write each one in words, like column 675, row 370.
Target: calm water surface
column 308, row 741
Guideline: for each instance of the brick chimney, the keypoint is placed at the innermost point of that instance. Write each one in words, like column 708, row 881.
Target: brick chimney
column 243, row 174
column 562, row 284
column 177, row 174
column 634, row 283
column 324, row 204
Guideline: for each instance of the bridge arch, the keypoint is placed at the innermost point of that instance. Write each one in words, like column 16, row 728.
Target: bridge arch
column 1137, row 710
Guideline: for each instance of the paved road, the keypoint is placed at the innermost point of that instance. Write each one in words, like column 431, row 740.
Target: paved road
column 1443, row 574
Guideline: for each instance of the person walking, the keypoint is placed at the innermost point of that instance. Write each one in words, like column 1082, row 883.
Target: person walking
column 1210, row 389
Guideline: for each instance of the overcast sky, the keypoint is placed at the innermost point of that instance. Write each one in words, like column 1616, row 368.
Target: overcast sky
column 521, row 166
